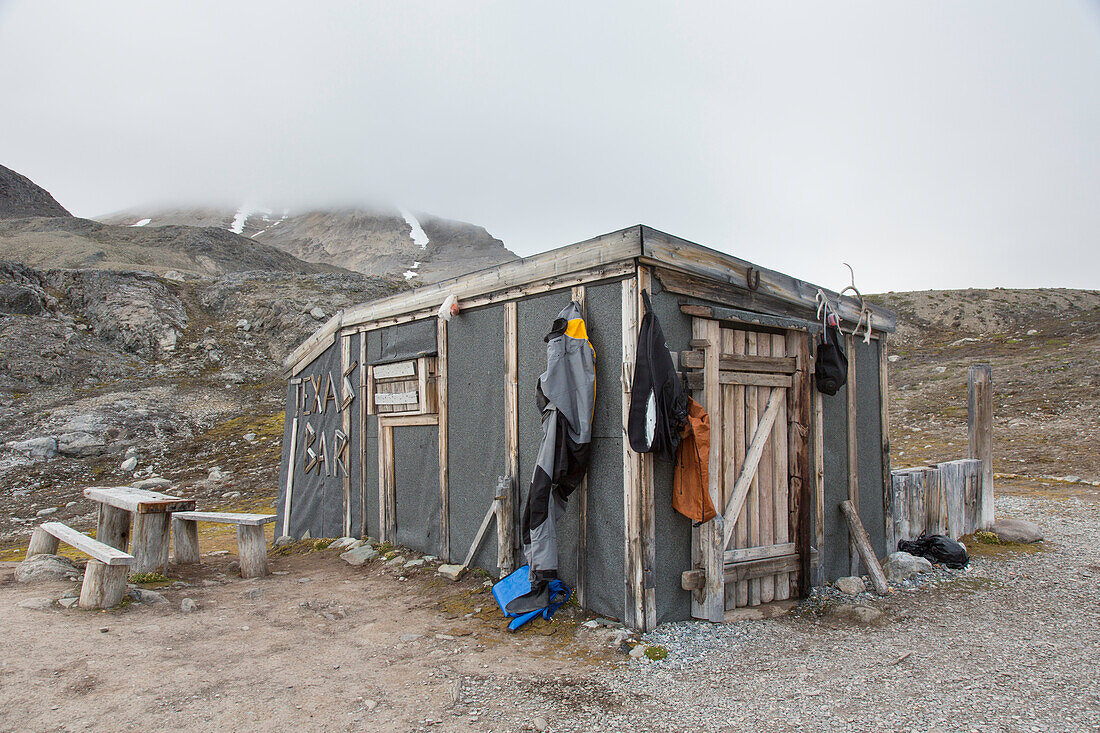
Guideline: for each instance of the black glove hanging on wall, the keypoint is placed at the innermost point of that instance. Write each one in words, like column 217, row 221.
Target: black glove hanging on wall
column 831, row 368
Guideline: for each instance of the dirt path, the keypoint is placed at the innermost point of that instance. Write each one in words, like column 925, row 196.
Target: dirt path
column 1011, row 646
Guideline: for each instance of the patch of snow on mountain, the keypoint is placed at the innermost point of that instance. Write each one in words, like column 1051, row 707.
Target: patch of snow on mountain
column 409, row 274
column 141, row 223
column 418, row 236
column 238, row 221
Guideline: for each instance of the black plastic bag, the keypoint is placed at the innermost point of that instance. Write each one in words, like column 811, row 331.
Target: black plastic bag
column 937, row 548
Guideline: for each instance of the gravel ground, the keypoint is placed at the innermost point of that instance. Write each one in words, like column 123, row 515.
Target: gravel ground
column 1010, row 644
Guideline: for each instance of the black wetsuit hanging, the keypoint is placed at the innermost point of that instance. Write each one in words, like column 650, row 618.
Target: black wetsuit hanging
column 658, row 404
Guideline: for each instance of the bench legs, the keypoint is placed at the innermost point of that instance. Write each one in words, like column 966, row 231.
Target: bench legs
column 104, row 585
column 114, row 527
column 252, row 548
column 42, row 543
column 185, row 535
column 150, row 542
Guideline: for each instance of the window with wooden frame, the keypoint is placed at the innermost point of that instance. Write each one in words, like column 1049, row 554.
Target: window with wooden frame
column 404, row 387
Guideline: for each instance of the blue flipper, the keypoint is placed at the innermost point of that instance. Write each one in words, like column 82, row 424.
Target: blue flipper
column 515, row 585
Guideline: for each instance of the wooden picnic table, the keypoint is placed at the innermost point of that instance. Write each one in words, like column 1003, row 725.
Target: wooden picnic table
column 152, row 515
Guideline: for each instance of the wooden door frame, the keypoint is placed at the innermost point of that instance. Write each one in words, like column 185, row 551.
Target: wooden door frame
column 709, row 575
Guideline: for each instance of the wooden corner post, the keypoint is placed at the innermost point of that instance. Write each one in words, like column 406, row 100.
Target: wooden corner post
column 640, row 594
column 979, row 424
column 444, row 451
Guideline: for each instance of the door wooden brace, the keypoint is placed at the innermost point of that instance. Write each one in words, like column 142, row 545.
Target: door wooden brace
column 863, row 546
column 752, row 460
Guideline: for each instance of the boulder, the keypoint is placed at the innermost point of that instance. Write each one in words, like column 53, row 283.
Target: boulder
column 850, row 585
column 80, row 445
column 45, row 567
column 284, row 540
column 188, row 605
column 923, row 564
column 317, row 314
column 417, row 563
column 1016, row 530
column 359, row 555
column 35, row 447
column 900, row 565
column 129, row 464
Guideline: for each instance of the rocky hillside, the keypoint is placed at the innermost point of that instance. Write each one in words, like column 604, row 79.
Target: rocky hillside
column 421, row 247
column 1044, row 347
column 95, row 364
column 21, row 197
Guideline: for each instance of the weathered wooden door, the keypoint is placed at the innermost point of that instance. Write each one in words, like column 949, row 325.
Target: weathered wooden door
column 752, row 385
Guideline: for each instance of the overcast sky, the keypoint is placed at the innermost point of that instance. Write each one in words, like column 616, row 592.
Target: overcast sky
column 929, row 144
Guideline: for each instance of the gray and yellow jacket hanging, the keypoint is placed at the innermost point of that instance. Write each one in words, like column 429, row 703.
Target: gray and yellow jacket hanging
column 566, row 398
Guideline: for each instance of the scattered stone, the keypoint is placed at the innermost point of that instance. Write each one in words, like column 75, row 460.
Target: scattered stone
column 396, row 560
column 152, row 483
column 940, row 369
column 46, row 512
column 45, row 567
column 410, row 637
column 129, row 464
column 284, row 540
column 899, row 566
column 231, row 495
column 850, row 585
column 541, row 724
column 359, row 555
column 216, row 475
column 188, row 605
column 148, row 596
column 370, row 705
column 243, row 325
column 317, row 314
column 857, row 614
column 67, row 601
column 40, row 603
column 217, row 553
column 304, row 580
column 1033, row 332
column 1016, row 530
column 450, row 572
column 923, row 565
column 893, row 358
column 249, row 437
column 417, row 563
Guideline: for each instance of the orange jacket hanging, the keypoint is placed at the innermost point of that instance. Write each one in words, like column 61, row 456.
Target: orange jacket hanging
column 690, row 492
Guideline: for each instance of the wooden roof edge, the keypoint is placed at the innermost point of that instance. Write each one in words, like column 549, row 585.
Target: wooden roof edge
column 641, row 242
column 667, row 250
column 606, row 249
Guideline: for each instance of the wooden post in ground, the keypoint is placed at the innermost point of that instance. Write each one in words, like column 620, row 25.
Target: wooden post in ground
column 252, row 549
column 103, row 586
column 506, row 524
column 979, row 425
column 42, row 543
column 114, row 527
column 185, row 537
column 150, row 541
column 853, row 450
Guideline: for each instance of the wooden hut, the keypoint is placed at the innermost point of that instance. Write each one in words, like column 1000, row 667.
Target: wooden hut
column 408, row 427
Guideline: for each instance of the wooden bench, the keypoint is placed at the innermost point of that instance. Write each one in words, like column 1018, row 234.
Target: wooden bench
column 251, row 544
column 104, row 576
